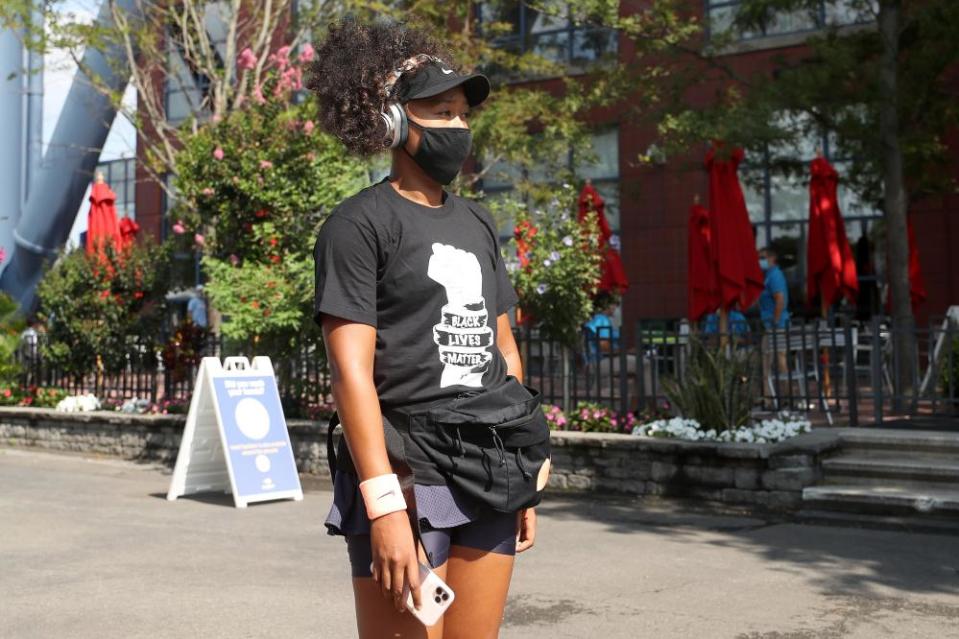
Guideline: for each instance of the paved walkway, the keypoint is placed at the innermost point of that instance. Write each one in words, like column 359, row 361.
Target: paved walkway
column 91, row 549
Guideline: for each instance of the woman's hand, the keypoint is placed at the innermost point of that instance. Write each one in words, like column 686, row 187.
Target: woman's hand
column 526, row 529
column 395, row 562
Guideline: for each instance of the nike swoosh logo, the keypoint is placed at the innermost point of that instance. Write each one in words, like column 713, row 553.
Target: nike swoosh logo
column 387, row 494
column 447, row 71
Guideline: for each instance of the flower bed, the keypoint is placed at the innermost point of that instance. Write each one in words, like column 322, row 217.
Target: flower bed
column 767, row 431
column 591, row 417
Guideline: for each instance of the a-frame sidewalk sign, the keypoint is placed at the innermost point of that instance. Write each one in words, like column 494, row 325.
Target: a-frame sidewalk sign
column 235, row 438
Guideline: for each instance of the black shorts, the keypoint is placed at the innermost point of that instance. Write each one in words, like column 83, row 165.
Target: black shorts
column 492, row 532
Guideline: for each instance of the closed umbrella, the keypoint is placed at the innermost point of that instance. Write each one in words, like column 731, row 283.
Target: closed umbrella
column 128, row 233
column 917, row 284
column 102, row 227
column 703, row 289
column 739, row 278
column 831, row 265
column 612, row 276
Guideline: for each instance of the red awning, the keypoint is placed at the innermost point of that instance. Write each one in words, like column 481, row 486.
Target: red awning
column 703, row 289
column 736, row 261
column 831, row 265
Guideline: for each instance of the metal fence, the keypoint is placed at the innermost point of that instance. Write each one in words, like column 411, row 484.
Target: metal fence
column 303, row 378
column 839, row 369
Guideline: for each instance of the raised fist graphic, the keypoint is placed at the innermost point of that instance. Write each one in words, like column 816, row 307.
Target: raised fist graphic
column 463, row 335
column 458, row 271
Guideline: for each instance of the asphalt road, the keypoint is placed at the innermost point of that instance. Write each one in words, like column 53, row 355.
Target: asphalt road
column 90, row 548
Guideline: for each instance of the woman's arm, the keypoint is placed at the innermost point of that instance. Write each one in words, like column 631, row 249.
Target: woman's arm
column 526, row 518
column 506, row 344
column 350, row 347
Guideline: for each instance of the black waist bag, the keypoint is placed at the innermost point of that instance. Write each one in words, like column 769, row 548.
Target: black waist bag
column 490, row 443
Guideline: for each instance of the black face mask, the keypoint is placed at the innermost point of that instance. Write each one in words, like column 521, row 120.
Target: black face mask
column 442, row 151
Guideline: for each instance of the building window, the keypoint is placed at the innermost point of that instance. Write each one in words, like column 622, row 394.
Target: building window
column 778, row 207
column 120, row 175
column 721, row 15
column 498, row 182
column 550, row 34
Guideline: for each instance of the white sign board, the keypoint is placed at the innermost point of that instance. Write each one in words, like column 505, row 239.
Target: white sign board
column 236, row 439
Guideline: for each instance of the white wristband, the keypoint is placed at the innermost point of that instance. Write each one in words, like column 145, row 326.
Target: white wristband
column 382, row 495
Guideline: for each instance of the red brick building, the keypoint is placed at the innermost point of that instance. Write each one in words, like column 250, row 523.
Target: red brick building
column 648, row 204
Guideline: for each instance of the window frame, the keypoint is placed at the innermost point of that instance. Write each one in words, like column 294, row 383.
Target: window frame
column 774, row 39
column 527, row 39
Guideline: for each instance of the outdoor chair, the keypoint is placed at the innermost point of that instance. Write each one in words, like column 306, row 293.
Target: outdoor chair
column 863, row 355
column 802, row 351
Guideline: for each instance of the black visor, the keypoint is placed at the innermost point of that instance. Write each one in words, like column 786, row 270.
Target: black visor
column 433, row 78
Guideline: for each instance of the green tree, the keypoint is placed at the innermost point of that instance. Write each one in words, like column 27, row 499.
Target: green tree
column 256, row 185
column 94, row 308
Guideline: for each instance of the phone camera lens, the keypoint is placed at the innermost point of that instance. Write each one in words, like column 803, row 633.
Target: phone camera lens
column 445, row 596
column 437, row 599
column 439, row 590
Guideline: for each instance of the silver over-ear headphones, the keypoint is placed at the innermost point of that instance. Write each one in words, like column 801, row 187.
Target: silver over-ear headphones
column 394, row 115
column 397, row 126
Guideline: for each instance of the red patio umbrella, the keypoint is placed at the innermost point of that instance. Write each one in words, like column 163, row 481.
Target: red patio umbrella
column 703, row 289
column 739, row 277
column 613, row 276
column 831, row 265
column 102, row 225
column 917, row 284
column 128, row 233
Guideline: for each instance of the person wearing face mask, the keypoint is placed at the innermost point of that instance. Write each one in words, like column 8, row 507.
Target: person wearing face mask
column 773, row 310
column 412, row 294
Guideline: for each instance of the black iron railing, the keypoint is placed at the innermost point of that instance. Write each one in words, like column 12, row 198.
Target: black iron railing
column 845, row 371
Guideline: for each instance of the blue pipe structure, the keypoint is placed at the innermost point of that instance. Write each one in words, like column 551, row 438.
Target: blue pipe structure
column 56, row 189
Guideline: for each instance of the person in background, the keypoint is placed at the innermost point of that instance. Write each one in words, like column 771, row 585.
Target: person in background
column 603, row 335
column 774, row 313
column 738, row 325
column 774, row 300
column 196, row 307
column 30, row 350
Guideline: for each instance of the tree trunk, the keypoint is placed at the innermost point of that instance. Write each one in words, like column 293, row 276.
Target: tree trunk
column 894, row 196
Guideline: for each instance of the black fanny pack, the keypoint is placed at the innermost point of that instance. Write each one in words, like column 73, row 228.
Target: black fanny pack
column 492, row 444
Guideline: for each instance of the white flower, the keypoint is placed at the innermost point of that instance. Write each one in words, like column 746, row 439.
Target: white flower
column 554, row 255
column 568, row 240
column 77, row 403
column 541, row 288
column 547, row 262
column 767, row 431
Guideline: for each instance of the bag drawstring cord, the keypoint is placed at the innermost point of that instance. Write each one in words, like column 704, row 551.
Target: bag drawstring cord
column 498, row 444
column 521, row 465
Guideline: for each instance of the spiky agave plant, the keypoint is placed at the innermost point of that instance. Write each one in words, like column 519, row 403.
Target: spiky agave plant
column 715, row 386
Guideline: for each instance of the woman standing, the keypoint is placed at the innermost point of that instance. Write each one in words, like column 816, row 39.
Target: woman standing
column 412, row 295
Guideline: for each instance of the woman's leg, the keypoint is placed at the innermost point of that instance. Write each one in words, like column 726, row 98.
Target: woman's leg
column 479, row 570
column 376, row 618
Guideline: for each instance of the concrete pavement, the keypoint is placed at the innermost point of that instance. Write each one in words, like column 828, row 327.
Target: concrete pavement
column 90, row 548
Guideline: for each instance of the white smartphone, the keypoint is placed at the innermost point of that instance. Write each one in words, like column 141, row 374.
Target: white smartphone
column 435, row 597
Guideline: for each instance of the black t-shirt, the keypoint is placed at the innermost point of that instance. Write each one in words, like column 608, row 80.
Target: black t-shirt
column 431, row 280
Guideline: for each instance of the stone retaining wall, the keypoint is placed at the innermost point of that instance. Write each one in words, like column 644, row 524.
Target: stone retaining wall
column 766, row 475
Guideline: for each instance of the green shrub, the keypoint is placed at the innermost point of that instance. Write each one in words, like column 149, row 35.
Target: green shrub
column 94, row 308
column 714, row 388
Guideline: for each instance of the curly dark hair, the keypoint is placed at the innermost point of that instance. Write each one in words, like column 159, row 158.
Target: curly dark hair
column 348, row 72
